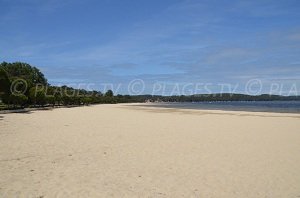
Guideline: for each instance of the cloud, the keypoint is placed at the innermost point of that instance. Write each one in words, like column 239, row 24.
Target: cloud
column 294, row 37
column 229, row 55
column 190, row 41
column 124, row 66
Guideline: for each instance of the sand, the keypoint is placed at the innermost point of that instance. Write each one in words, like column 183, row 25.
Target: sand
column 127, row 151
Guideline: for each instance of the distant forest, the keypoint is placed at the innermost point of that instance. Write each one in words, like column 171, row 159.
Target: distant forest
column 22, row 85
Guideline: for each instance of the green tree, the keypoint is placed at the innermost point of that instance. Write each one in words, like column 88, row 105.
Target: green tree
column 109, row 93
column 25, row 71
column 66, row 100
column 37, row 96
column 86, row 100
column 4, row 85
column 50, row 99
column 18, row 99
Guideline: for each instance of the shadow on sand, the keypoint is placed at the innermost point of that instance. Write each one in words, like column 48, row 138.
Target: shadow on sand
column 31, row 110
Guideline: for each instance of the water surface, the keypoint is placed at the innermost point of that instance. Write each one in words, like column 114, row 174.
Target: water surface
column 255, row 106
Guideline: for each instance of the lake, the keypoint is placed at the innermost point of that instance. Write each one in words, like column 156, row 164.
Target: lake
column 255, row 106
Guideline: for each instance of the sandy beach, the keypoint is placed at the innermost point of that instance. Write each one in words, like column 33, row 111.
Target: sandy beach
column 129, row 151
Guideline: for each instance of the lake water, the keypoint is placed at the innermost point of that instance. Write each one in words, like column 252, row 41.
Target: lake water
column 255, row 106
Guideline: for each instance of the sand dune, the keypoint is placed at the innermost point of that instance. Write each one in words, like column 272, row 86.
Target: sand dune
column 129, row 151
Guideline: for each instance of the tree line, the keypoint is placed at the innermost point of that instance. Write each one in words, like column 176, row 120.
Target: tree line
column 22, row 85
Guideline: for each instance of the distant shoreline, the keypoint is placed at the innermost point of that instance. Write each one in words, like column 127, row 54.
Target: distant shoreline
column 249, row 106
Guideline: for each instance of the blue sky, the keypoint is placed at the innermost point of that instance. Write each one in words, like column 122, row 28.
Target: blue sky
column 173, row 42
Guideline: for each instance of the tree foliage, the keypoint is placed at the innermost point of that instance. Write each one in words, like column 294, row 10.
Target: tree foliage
column 31, row 74
column 109, row 93
column 4, row 83
column 18, row 99
column 37, row 96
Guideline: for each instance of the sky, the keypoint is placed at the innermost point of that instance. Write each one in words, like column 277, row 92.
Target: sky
column 160, row 47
